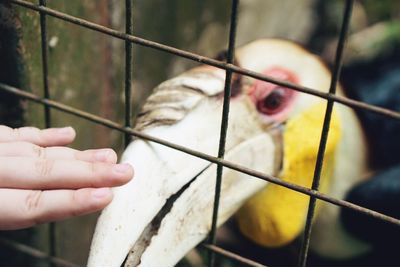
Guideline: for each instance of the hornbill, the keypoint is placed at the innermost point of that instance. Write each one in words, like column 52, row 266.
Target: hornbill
column 166, row 209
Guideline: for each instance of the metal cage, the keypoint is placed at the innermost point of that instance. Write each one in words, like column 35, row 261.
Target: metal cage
column 230, row 68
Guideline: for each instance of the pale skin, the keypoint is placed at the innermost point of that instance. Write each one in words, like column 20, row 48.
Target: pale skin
column 42, row 180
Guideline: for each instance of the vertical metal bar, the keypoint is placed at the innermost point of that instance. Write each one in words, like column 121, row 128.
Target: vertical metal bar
column 325, row 131
column 128, row 69
column 47, row 115
column 43, row 35
column 224, row 126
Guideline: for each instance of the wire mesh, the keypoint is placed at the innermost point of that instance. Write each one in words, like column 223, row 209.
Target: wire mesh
column 269, row 178
column 208, row 61
column 228, row 66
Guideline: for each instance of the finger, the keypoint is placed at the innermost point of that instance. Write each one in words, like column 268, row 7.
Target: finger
column 46, row 137
column 26, row 149
column 34, row 173
column 25, row 208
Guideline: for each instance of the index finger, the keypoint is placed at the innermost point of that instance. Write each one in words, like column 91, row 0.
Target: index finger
column 46, row 137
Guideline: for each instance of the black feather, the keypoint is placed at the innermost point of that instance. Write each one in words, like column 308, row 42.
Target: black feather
column 377, row 82
column 380, row 193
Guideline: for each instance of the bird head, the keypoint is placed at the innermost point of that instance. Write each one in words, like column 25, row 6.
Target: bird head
column 166, row 209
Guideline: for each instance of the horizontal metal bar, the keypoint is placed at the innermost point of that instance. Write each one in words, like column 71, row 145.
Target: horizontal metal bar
column 216, row 160
column 232, row 255
column 38, row 254
column 209, row 61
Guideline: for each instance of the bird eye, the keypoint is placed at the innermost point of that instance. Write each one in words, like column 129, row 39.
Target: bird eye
column 274, row 102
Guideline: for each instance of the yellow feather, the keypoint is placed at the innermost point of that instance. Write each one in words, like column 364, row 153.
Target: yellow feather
column 276, row 215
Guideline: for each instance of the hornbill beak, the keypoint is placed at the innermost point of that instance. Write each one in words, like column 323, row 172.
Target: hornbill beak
column 166, row 209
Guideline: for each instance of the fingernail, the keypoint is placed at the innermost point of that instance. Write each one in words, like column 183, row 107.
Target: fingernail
column 65, row 130
column 122, row 168
column 102, row 155
column 101, row 192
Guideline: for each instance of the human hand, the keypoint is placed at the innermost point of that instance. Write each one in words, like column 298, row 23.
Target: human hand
column 43, row 181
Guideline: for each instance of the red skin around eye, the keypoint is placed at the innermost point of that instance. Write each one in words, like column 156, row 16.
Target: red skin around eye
column 262, row 89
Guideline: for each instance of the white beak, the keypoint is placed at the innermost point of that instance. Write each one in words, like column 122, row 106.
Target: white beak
column 166, row 209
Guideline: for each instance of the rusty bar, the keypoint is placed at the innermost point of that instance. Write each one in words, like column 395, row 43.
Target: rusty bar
column 269, row 178
column 38, row 254
column 325, row 132
column 212, row 62
column 47, row 114
column 224, row 127
column 128, row 69
column 233, row 256
column 43, row 39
